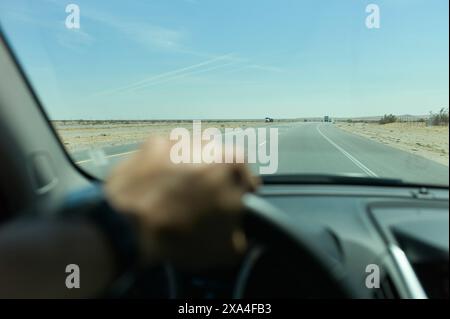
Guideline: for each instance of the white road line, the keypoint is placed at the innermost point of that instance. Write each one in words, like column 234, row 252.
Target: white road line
column 107, row 156
column 348, row 155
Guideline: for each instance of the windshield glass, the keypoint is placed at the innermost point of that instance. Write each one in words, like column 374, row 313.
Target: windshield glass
column 334, row 87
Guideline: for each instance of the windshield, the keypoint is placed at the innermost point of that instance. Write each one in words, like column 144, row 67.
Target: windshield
column 348, row 88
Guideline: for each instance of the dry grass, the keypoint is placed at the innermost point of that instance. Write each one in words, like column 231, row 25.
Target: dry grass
column 417, row 138
column 79, row 135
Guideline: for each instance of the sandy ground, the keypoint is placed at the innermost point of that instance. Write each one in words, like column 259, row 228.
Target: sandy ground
column 416, row 138
column 80, row 135
column 429, row 142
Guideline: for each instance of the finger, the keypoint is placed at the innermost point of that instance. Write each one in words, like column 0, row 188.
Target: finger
column 242, row 177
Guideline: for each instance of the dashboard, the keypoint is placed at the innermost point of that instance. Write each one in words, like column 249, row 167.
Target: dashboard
column 384, row 243
column 403, row 233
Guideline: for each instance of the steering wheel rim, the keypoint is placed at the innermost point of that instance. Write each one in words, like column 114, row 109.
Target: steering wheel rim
column 259, row 208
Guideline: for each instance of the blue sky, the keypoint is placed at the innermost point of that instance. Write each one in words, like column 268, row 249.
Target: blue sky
column 186, row 59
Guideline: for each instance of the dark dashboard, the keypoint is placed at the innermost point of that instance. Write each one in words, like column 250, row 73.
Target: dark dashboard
column 382, row 243
column 403, row 232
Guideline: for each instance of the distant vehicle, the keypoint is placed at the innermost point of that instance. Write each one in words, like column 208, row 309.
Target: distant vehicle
column 327, row 119
column 269, row 120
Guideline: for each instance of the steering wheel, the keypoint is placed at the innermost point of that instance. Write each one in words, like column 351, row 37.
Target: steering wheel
column 284, row 260
column 287, row 260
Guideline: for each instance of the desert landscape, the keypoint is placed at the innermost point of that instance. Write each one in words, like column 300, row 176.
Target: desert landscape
column 81, row 135
column 430, row 142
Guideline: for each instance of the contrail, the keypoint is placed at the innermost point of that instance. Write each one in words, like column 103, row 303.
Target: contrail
column 163, row 75
column 182, row 76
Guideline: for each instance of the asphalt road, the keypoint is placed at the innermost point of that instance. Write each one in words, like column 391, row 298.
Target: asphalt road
column 314, row 148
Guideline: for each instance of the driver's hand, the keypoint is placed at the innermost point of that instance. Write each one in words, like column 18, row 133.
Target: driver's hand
column 188, row 214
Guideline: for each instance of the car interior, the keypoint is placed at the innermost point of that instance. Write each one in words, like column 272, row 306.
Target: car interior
column 311, row 237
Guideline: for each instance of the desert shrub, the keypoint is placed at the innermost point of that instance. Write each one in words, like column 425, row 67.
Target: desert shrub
column 440, row 118
column 386, row 119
